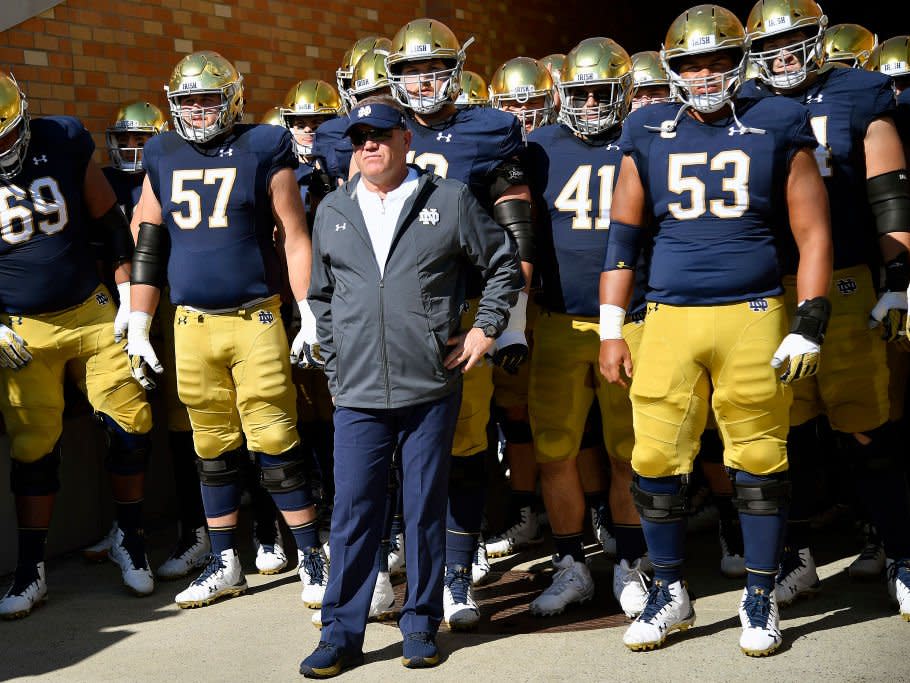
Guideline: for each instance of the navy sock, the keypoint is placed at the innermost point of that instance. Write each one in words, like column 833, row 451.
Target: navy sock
column 570, row 544
column 306, row 535
column 222, row 538
column 129, row 516
column 31, row 546
column 666, row 540
column 762, row 538
column 186, row 482
column 630, row 542
column 467, row 494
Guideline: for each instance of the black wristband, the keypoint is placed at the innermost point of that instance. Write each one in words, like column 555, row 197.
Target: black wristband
column 811, row 319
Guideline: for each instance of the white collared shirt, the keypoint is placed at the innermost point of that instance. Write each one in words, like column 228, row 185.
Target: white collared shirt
column 381, row 215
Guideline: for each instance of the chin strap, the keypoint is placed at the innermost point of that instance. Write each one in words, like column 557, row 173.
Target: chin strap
column 670, row 126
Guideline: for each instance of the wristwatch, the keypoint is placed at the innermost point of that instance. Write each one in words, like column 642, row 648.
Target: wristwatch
column 490, row 330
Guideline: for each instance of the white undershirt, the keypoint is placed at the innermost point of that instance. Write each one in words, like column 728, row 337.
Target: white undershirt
column 382, row 214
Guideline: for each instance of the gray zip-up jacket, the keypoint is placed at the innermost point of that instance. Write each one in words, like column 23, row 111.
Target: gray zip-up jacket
column 383, row 337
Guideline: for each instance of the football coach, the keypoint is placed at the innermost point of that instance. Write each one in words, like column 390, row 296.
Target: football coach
column 392, row 249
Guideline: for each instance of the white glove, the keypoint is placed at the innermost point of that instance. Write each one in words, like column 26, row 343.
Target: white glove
column 802, row 355
column 510, row 348
column 13, row 353
column 143, row 360
column 305, row 349
column 122, row 321
column 891, row 312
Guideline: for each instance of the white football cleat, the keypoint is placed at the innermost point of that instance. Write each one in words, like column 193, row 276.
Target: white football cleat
column 190, row 553
column 134, row 567
column 797, row 577
column 382, row 604
column 572, row 583
column 732, row 562
column 460, row 611
column 480, row 565
column 630, row 586
column 22, row 598
column 871, row 560
column 668, row 609
column 760, row 621
column 523, row 533
column 313, row 569
column 270, row 555
column 98, row 552
column 600, row 525
column 396, row 555
column 899, row 585
column 222, row 577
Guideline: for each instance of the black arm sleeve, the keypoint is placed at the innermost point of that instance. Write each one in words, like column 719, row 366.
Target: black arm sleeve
column 113, row 230
column 151, row 255
column 889, row 197
column 515, row 216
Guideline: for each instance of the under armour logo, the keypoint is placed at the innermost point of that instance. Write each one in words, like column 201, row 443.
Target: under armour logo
column 39, row 160
column 846, row 286
column 620, row 265
column 340, row 226
column 229, row 152
column 363, row 111
column 266, row 317
column 428, row 216
column 758, row 305
column 612, row 146
column 182, row 320
column 447, row 137
column 814, row 98
column 734, row 130
column 101, row 298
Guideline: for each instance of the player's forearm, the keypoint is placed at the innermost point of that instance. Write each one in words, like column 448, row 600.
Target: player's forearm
column 813, row 278
column 616, row 287
column 298, row 255
column 144, row 298
column 122, row 272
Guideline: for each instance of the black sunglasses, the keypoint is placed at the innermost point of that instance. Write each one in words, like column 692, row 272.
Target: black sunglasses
column 359, row 137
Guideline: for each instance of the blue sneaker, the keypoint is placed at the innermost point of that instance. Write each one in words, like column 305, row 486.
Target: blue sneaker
column 419, row 651
column 329, row 660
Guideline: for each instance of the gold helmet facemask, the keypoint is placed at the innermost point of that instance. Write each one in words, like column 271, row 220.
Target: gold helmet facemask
column 705, row 29
column 139, row 118
column 369, row 76
column 309, row 98
column 770, row 18
column 419, row 41
column 595, row 65
column 519, row 81
column 648, row 72
column 849, row 44
column 13, row 121
column 203, row 73
column 344, row 76
column 473, row 91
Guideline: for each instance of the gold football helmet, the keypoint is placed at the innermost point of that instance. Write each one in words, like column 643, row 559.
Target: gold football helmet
column 649, row 72
column 369, row 75
column 891, row 57
column 13, row 122
column 421, row 40
column 344, row 76
column 849, row 44
column 797, row 60
column 473, row 90
column 203, row 73
column 700, row 30
column 141, row 119
column 521, row 82
column 600, row 66
column 272, row 117
column 311, row 97
column 553, row 63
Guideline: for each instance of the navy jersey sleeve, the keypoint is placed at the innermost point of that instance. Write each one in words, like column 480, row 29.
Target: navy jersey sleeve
column 151, row 156
column 79, row 139
column 513, row 140
column 877, row 100
column 284, row 155
column 800, row 133
column 903, row 116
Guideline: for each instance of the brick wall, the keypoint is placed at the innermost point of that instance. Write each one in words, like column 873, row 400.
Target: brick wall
column 84, row 57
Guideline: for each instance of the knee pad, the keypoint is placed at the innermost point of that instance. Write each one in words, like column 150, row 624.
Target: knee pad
column 661, row 507
column 516, row 431
column 282, row 474
column 225, row 470
column 38, row 478
column 712, row 448
column 760, row 494
column 883, row 453
column 127, row 454
column 468, row 471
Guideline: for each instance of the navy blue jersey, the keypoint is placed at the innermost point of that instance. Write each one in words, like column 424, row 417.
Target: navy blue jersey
column 331, row 144
column 468, row 147
column 715, row 193
column 46, row 263
column 127, row 187
column 304, row 173
column 216, row 205
column 572, row 182
column 903, row 116
column 842, row 103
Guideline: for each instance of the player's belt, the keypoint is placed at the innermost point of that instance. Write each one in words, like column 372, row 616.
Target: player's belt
column 636, row 317
column 241, row 309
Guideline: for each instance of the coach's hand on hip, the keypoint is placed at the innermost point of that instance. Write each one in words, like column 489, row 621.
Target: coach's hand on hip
column 470, row 348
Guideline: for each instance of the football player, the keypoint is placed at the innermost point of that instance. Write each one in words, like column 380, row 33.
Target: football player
column 57, row 319
column 714, row 171
column 272, row 117
column 861, row 160
column 472, row 90
column 553, row 63
column 480, row 147
column 849, row 45
column 574, row 166
column 651, row 83
column 524, row 87
column 214, row 192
